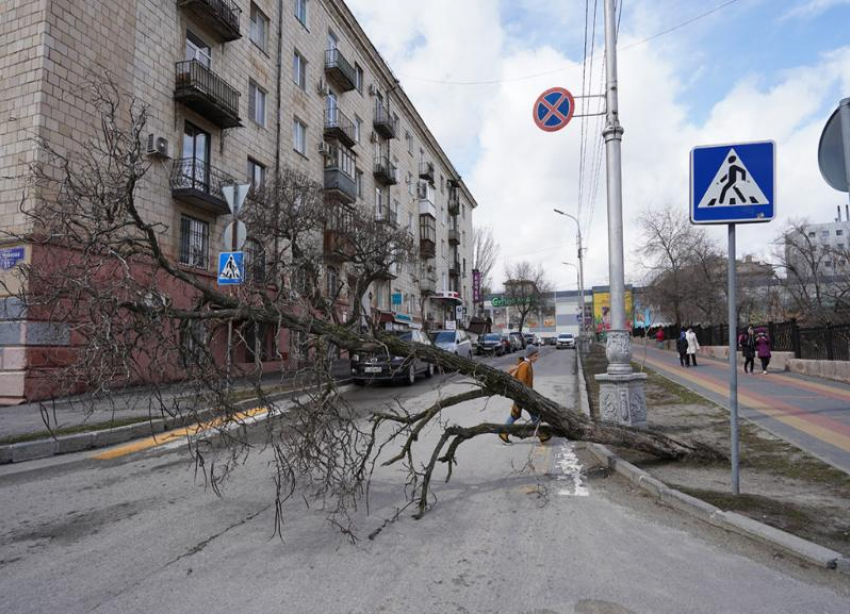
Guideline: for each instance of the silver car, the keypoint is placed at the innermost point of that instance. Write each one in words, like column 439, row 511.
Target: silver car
column 453, row 341
column 565, row 340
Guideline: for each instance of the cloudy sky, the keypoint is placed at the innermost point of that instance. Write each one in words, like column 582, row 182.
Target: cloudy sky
column 692, row 72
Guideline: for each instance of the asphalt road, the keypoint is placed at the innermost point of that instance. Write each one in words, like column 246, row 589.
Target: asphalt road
column 515, row 531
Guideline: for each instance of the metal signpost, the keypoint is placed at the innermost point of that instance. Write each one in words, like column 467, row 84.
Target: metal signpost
column 231, row 263
column 733, row 184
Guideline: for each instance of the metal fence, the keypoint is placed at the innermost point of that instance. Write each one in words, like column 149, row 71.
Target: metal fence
column 815, row 343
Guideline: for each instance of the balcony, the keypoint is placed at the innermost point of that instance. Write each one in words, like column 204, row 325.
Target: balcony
column 389, row 273
column 198, row 183
column 386, row 216
column 384, row 123
column 427, row 237
column 219, row 16
column 454, row 236
column 385, row 171
column 454, row 200
column 426, row 200
column 426, row 172
column 206, row 93
column 338, row 247
column 428, row 285
column 340, row 185
column 339, row 71
column 454, row 269
column 339, row 127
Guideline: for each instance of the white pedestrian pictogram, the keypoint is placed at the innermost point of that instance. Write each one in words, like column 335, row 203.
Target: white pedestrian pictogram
column 231, row 270
column 733, row 185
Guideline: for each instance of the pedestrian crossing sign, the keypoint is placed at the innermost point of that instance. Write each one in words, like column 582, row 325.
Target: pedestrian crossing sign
column 733, row 184
column 231, row 268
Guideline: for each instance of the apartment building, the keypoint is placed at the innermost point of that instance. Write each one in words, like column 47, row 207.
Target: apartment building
column 236, row 90
column 822, row 248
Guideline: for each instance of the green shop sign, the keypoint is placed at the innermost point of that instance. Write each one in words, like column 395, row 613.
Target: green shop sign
column 499, row 301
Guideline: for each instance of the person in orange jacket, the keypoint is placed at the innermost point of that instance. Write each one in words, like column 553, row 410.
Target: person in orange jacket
column 524, row 372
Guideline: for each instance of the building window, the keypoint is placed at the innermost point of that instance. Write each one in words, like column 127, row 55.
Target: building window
column 824, row 234
column 839, row 246
column 839, row 233
column 358, row 180
column 410, row 222
column 379, row 203
column 256, row 103
column 358, row 78
column 197, row 49
column 333, row 284
column 443, row 248
column 301, row 11
column 256, row 337
column 358, row 128
column 394, row 213
column 811, row 235
column 410, row 185
column 256, row 174
column 299, row 136
column 409, row 138
column 259, row 33
column 194, row 242
column 299, row 70
column 255, row 261
column 193, row 341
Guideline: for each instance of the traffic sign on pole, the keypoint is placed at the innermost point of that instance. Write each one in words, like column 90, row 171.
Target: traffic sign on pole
column 733, row 184
column 235, row 195
column 834, row 148
column 231, row 268
column 554, row 109
column 235, row 235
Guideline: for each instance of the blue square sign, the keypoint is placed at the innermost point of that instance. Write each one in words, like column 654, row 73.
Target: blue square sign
column 231, row 268
column 733, row 184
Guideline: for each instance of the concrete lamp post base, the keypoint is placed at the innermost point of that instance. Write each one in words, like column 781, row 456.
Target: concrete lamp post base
column 622, row 399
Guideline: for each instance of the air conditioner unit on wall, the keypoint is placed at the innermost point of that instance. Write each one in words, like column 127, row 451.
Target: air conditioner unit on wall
column 158, row 146
column 322, row 87
column 324, row 149
column 373, row 89
column 373, row 138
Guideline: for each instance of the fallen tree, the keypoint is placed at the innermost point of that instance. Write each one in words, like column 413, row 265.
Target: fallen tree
column 138, row 314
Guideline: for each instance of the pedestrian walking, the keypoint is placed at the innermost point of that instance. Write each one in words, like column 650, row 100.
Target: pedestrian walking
column 524, row 372
column 693, row 346
column 682, row 348
column 747, row 341
column 763, row 348
column 659, row 338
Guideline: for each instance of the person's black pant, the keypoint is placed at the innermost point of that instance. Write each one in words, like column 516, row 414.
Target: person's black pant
column 749, row 361
column 692, row 358
column 683, row 360
column 764, row 363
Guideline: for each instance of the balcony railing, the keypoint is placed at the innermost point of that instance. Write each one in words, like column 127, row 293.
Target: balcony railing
column 454, row 236
column 198, row 183
column 455, row 269
column 219, row 16
column 338, row 246
column 340, row 184
column 385, row 215
column 454, row 201
column 384, row 123
column 427, row 285
column 385, row 171
column 338, row 126
column 426, row 171
column 205, row 92
column 427, row 237
column 339, row 71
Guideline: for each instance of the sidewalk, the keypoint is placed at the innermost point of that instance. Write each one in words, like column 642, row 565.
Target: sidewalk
column 137, row 406
column 814, row 415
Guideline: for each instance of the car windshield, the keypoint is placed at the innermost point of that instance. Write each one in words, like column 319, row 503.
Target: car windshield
column 565, row 336
column 492, row 338
column 404, row 336
column 445, row 337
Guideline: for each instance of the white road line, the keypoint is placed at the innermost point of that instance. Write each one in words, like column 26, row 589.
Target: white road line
column 570, row 480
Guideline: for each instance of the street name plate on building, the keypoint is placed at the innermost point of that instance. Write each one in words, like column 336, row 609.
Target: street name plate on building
column 11, row 257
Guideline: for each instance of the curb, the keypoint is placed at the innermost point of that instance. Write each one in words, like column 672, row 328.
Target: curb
column 66, row 444
column 730, row 521
column 583, row 394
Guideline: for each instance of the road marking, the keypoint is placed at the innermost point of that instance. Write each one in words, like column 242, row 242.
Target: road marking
column 570, row 480
column 819, row 427
column 174, row 436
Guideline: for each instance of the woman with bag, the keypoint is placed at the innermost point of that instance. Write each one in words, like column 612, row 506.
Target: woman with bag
column 747, row 342
column 763, row 349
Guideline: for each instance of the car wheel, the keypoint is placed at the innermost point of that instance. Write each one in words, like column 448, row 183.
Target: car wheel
column 411, row 376
column 429, row 372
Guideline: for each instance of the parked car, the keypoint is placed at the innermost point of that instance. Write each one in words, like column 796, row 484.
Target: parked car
column 565, row 340
column 490, row 344
column 529, row 339
column 508, row 345
column 517, row 341
column 453, row 341
column 369, row 367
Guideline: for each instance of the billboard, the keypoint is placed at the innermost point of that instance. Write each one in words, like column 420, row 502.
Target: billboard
column 602, row 311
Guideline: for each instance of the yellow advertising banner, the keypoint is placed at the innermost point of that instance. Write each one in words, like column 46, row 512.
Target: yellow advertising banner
column 602, row 311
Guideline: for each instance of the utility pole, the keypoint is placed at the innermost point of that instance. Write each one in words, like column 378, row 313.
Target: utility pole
column 583, row 327
column 621, row 395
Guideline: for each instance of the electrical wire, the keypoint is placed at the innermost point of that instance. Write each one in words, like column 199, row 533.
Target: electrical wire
column 574, row 65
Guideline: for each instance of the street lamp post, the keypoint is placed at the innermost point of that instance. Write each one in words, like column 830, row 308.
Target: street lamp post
column 580, row 268
column 621, row 390
column 581, row 299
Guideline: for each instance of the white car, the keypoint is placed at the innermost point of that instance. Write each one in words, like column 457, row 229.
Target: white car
column 565, row 340
column 453, row 341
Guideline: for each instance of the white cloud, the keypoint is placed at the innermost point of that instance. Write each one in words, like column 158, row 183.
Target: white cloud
column 519, row 174
column 812, row 8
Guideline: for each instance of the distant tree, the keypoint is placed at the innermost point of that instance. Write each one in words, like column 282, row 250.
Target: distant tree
column 525, row 289
column 485, row 252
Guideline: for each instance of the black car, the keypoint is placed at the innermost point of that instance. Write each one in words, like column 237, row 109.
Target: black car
column 490, row 344
column 368, row 367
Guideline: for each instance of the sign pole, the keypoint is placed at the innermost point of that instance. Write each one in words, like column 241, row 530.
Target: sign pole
column 733, row 358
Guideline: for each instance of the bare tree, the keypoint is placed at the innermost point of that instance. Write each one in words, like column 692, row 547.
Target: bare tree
column 525, row 289
column 138, row 315
column 485, row 252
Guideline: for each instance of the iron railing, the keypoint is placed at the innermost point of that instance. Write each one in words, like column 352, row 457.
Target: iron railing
column 384, row 123
column 222, row 16
column 194, row 178
column 201, row 89
column 337, row 125
column 426, row 171
column 339, row 70
column 385, row 170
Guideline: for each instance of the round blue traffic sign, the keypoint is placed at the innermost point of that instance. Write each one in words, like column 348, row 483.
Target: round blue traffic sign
column 554, row 109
